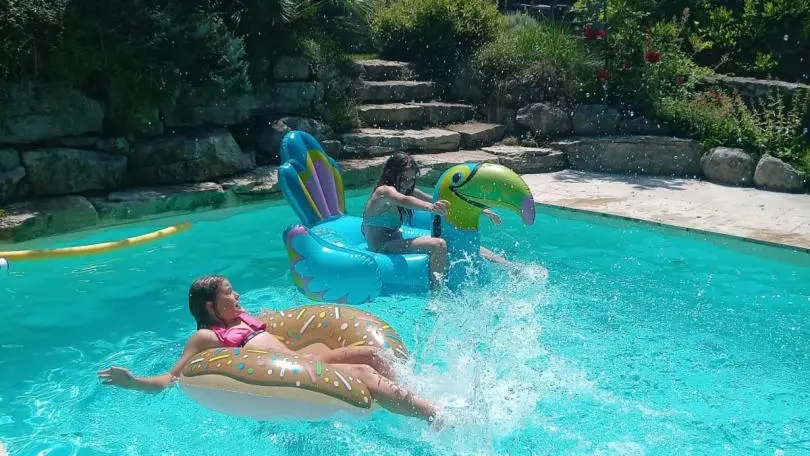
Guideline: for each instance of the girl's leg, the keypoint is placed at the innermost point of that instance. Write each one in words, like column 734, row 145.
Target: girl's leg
column 436, row 247
column 389, row 395
column 370, row 356
column 493, row 257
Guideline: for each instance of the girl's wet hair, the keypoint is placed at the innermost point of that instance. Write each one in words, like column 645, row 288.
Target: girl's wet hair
column 203, row 290
column 392, row 172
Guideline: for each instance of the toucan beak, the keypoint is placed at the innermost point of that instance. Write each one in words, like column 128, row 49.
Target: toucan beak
column 493, row 185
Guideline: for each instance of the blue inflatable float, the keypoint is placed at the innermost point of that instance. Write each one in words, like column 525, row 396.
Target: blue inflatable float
column 329, row 258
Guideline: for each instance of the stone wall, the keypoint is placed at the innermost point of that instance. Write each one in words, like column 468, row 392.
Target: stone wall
column 598, row 138
column 53, row 139
column 61, row 169
column 751, row 89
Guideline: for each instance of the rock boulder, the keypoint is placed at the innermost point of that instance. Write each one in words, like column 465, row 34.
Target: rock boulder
column 772, row 173
column 184, row 158
column 727, row 166
column 63, row 171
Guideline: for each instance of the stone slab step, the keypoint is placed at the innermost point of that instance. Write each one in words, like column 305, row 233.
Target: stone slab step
column 31, row 219
column 259, row 183
column 478, row 134
column 528, row 160
column 431, row 166
column 642, row 155
column 395, row 91
column 361, row 172
column 373, row 142
column 432, row 113
column 385, row 70
column 151, row 202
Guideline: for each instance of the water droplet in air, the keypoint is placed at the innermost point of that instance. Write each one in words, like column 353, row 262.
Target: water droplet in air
column 786, row 37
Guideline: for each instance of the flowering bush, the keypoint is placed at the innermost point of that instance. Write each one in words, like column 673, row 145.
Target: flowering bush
column 640, row 63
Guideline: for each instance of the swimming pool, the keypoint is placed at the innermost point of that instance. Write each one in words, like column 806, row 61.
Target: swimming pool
column 642, row 341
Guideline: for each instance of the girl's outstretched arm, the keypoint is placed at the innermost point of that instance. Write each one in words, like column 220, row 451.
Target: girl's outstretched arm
column 422, row 195
column 123, row 378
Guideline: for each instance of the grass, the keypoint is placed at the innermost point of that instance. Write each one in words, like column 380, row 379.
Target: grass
column 365, row 56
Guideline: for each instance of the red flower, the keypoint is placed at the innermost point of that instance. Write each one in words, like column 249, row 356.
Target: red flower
column 628, row 64
column 652, row 56
column 594, row 34
column 603, row 75
column 589, row 33
column 680, row 80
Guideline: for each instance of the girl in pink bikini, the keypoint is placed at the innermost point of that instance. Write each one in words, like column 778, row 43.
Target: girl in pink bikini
column 221, row 322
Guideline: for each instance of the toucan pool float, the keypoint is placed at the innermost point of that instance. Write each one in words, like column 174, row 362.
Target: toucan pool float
column 329, row 258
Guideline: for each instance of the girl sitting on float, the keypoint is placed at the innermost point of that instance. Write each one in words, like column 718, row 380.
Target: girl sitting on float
column 221, row 322
column 392, row 202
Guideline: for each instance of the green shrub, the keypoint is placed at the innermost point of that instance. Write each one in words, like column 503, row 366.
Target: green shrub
column 157, row 47
column 435, row 34
column 756, row 38
column 29, row 31
column 273, row 28
column 716, row 118
column 337, row 72
column 131, row 55
column 146, row 55
column 539, row 59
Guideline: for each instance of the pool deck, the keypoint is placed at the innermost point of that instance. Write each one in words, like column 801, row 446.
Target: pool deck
column 758, row 215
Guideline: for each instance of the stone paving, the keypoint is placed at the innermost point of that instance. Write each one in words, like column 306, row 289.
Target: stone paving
column 769, row 217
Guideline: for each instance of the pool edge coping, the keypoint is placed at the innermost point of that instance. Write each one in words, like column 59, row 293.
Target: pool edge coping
column 671, row 226
column 232, row 210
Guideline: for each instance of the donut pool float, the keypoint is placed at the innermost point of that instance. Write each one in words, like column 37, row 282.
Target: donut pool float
column 267, row 385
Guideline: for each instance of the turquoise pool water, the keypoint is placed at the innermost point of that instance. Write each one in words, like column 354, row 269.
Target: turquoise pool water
column 641, row 342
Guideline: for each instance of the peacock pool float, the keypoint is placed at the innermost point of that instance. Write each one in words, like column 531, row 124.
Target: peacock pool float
column 329, row 258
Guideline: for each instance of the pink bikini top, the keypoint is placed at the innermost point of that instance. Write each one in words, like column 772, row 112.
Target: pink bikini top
column 238, row 336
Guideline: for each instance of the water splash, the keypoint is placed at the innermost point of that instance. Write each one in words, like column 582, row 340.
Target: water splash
column 477, row 363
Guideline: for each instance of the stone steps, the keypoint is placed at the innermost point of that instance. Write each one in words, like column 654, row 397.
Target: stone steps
column 416, row 114
column 395, row 115
column 374, row 142
column 385, row 70
column 478, row 134
column 395, row 91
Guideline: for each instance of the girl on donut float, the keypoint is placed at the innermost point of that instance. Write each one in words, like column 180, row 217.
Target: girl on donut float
column 221, row 322
column 392, row 202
